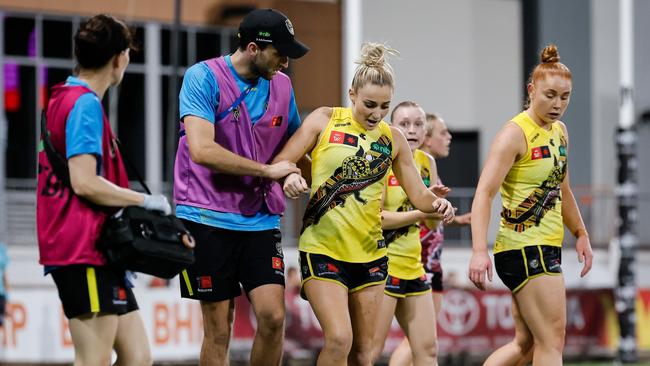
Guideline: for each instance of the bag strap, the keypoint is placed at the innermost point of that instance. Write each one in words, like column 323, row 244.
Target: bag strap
column 131, row 166
column 60, row 164
column 235, row 104
column 232, row 107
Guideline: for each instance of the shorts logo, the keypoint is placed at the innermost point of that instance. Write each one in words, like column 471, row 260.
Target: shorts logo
column 338, row 137
column 555, row 266
column 278, row 248
column 392, row 181
column 534, row 263
column 205, row 284
column 376, row 272
column 276, row 121
column 327, row 269
column 332, row 268
column 540, row 152
column 394, row 281
column 119, row 296
column 277, row 263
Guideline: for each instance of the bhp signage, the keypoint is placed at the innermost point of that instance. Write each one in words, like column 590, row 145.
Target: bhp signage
column 36, row 330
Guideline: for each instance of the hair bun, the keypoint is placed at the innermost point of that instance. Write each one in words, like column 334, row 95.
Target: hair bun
column 550, row 54
column 375, row 54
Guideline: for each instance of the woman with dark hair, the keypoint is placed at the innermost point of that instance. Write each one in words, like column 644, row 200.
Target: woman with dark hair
column 528, row 161
column 72, row 208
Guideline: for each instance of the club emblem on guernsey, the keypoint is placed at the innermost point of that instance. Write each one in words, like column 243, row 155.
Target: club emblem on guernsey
column 531, row 211
column 355, row 174
column 289, row 26
column 235, row 114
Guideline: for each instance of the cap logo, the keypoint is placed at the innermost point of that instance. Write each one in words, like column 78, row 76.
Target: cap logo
column 289, row 26
column 264, row 34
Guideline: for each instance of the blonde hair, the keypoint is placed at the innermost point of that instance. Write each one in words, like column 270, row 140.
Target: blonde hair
column 404, row 104
column 373, row 66
column 429, row 126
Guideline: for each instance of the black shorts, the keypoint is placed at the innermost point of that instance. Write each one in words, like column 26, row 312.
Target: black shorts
column 435, row 280
column 227, row 258
column 516, row 267
column 85, row 289
column 352, row 276
column 397, row 287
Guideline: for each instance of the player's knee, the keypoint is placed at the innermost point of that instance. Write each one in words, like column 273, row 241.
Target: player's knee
column 377, row 350
column 558, row 330
column 524, row 342
column 425, row 349
column 553, row 339
column 338, row 344
column 270, row 322
column 362, row 353
column 358, row 357
column 218, row 335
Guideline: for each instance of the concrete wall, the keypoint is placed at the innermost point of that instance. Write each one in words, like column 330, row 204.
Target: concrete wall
column 461, row 59
column 642, row 104
column 568, row 25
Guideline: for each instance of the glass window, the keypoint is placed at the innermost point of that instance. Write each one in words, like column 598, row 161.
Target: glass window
column 53, row 76
column 20, row 109
column 166, row 43
column 234, row 42
column 461, row 167
column 19, row 36
column 208, row 45
column 169, row 124
column 131, row 121
column 57, row 39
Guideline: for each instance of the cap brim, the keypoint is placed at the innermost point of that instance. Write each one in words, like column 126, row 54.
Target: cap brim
column 292, row 49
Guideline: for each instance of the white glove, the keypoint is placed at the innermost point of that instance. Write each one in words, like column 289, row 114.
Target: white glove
column 157, row 202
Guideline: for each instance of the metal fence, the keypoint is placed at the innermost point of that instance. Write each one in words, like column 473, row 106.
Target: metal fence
column 598, row 209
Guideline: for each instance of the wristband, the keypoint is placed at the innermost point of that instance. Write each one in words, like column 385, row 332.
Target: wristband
column 580, row 232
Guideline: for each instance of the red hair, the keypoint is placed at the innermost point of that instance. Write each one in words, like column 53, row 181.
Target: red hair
column 550, row 65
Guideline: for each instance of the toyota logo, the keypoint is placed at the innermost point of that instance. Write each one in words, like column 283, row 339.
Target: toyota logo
column 460, row 312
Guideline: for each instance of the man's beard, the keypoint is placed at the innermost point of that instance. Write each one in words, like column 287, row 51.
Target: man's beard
column 259, row 71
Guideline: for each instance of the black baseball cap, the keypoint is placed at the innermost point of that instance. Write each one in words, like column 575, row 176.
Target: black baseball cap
column 272, row 27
